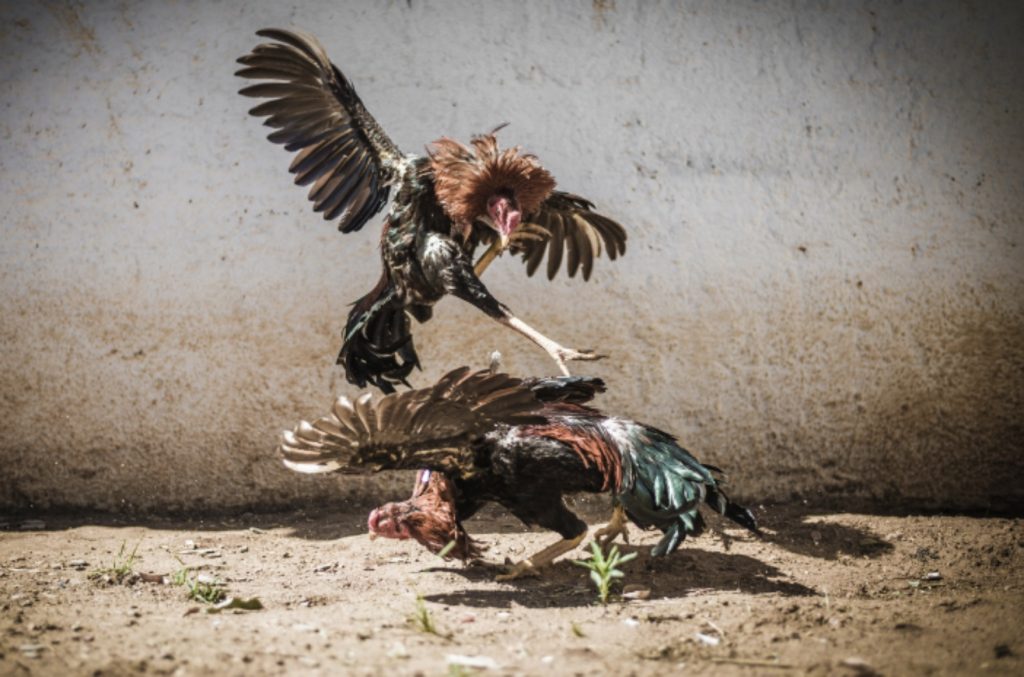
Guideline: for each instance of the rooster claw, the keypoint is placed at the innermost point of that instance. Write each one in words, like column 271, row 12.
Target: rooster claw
column 563, row 355
column 588, row 355
column 607, row 536
column 522, row 569
column 617, row 526
column 585, row 355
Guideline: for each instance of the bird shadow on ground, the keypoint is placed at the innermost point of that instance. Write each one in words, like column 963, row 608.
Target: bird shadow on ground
column 798, row 529
column 565, row 584
column 810, row 533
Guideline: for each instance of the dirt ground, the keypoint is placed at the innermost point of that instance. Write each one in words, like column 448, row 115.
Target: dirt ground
column 822, row 594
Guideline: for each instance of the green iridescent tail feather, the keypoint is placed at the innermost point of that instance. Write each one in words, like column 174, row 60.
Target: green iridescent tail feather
column 664, row 486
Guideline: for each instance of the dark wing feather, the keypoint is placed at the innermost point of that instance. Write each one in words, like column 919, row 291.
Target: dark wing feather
column 314, row 109
column 575, row 230
column 430, row 427
column 572, row 389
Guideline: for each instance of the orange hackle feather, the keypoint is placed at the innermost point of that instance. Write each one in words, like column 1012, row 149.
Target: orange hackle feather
column 434, row 522
column 465, row 178
column 587, row 443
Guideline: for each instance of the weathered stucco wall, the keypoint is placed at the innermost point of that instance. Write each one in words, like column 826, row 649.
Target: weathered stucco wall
column 823, row 292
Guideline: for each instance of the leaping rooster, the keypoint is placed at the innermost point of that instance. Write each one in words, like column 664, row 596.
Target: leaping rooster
column 447, row 204
column 522, row 443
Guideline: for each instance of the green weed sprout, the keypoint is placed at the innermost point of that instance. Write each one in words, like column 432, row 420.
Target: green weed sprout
column 121, row 570
column 210, row 592
column 604, row 570
column 423, row 621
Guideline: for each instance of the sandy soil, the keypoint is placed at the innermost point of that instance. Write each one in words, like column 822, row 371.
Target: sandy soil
column 824, row 594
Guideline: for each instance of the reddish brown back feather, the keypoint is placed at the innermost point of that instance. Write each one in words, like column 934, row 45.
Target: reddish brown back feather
column 588, row 442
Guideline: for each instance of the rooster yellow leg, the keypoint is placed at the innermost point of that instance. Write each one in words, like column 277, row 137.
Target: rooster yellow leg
column 559, row 353
column 530, row 565
column 618, row 525
column 487, row 257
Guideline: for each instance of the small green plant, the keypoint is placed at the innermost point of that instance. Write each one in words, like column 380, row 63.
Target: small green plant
column 604, row 570
column 180, row 577
column 121, row 570
column 423, row 621
column 207, row 591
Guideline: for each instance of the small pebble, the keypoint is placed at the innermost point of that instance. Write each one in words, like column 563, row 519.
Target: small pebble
column 709, row 640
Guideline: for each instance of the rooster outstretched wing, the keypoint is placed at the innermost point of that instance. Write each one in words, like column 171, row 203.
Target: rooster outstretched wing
column 429, row 427
column 342, row 150
column 575, row 228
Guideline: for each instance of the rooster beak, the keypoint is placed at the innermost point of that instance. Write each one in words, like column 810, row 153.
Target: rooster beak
column 505, row 217
column 373, row 535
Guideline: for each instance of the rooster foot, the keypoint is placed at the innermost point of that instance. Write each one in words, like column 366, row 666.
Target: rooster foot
column 561, row 355
column 522, row 569
column 531, row 565
column 617, row 526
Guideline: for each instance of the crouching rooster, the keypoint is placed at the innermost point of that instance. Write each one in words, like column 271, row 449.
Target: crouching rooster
column 522, row 443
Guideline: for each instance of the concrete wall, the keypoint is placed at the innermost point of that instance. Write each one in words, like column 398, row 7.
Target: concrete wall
column 823, row 291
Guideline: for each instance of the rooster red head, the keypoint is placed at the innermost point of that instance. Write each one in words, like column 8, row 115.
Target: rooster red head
column 429, row 517
column 496, row 187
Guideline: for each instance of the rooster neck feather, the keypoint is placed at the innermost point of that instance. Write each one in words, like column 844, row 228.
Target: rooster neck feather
column 465, row 178
column 434, row 520
column 579, row 429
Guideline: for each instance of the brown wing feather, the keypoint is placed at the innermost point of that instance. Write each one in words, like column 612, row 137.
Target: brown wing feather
column 575, row 230
column 430, row 427
column 314, row 109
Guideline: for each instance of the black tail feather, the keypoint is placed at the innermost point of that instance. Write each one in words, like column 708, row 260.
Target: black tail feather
column 742, row 516
column 378, row 347
column 721, row 503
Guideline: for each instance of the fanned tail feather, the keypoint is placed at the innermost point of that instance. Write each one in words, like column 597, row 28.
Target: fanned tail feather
column 378, row 347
